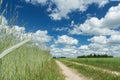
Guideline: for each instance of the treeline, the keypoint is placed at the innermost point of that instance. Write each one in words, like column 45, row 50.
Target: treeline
column 95, row 56
column 58, row 57
column 90, row 56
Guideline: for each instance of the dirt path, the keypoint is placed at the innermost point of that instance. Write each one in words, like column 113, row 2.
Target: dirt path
column 69, row 73
column 97, row 68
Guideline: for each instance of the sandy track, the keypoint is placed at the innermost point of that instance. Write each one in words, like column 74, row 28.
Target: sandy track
column 69, row 73
column 97, row 68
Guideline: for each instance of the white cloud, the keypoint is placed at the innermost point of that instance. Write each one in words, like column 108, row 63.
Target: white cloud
column 94, row 48
column 100, row 28
column 10, row 30
column 61, row 29
column 98, row 39
column 55, row 16
column 66, row 40
column 99, row 45
column 102, row 45
column 84, row 47
column 68, row 48
column 112, row 18
column 114, row 39
column 68, row 51
column 36, row 1
column 104, row 26
column 115, row 50
column 41, row 36
column 18, row 29
column 64, row 7
column 91, row 27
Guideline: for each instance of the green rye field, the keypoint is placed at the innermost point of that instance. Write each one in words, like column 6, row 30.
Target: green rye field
column 105, row 63
column 29, row 63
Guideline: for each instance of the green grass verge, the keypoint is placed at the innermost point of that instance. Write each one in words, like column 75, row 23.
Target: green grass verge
column 91, row 73
column 106, row 63
column 29, row 63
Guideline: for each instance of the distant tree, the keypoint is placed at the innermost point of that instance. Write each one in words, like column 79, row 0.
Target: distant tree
column 54, row 57
column 62, row 57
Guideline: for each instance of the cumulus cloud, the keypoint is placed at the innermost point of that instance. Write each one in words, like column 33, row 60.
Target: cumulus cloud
column 98, row 39
column 102, row 45
column 99, row 45
column 64, row 7
column 104, row 26
column 83, row 47
column 18, row 29
column 106, row 39
column 91, row 27
column 115, row 50
column 94, row 48
column 114, row 39
column 112, row 18
column 66, row 40
column 67, row 51
column 39, row 37
column 105, row 32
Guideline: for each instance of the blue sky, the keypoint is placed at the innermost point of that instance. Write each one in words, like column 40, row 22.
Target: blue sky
column 69, row 20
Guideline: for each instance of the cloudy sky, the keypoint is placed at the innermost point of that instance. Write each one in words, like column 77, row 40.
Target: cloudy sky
column 68, row 27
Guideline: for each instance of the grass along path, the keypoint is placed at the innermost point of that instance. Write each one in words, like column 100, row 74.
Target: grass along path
column 70, row 74
column 112, row 64
column 90, row 72
column 97, row 68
